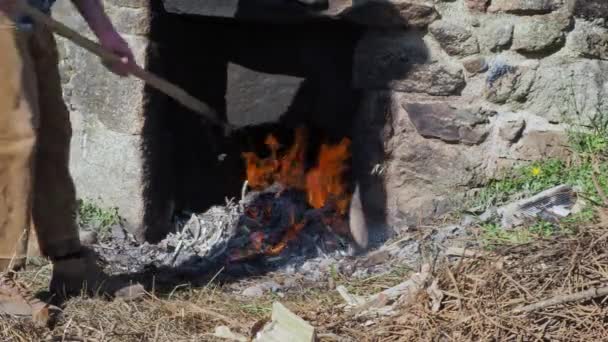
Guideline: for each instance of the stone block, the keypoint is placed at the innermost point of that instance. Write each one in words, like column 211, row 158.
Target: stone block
column 591, row 10
column 588, row 40
column 505, row 82
column 525, row 7
column 441, row 121
column 477, row 5
column 375, row 13
column 212, row 8
column 425, row 176
column 402, row 61
column 540, row 34
column 391, row 14
column 253, row 97
column 475, row 65
column 512, row 130
column 496, row 35
column 107, row 168
column 111, row 101
column 456, row 40
column 128, row 19
column 539, row 142
column 106, row 113
column 569, row 90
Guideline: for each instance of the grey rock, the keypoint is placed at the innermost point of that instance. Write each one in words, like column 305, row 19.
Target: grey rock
column 129, row 20
column 212, row 8
column 417, row 13
column 106, row 112
column 456, row 40
column 500, row 82
column 526, row 7
column 439, row 120
column 512, row 130
column 271, row 286
column 118, row 233
column 387, row 14
column 468, row 221
column 396, row 13
column 591, row 9
column 477, row 5
column 248, row 103
column 401, row 61
column 505, row 82
column 538, row 143
column 424, row 175
column 496, row 35
column 129, row 3
column 589, row 40
column 255, row 291
column 570, row 90
column 116, row 108
column 475, row 65
column 540, row 34
column 448, row 232
column 88, row 237
column 98, row 173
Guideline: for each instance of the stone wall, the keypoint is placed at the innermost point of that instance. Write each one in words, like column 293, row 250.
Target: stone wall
column 495, row 84
column 454, row 92
column 106, row 112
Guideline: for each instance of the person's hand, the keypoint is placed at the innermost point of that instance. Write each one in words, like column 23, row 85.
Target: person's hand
column 7, row 7
column 113, row 42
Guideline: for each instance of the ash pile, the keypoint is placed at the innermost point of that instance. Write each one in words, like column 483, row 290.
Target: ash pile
column 265, row 231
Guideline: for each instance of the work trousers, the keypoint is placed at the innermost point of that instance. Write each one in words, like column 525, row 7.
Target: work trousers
column 36, row 189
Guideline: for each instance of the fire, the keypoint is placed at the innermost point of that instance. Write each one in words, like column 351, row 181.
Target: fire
column 324, row 184
column 325, row 181
column 287, row 169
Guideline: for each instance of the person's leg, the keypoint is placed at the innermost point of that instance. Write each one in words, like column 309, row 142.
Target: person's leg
column 75, row 268
column 18, row 108
column 54, row 205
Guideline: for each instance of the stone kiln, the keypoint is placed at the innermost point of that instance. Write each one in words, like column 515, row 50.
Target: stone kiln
column 436, row 97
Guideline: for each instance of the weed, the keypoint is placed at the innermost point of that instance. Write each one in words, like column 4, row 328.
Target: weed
column 589, row 143
column 91, row 216
column 493, row 234
column 257, row 309
column 538, row 176
column 542, row 229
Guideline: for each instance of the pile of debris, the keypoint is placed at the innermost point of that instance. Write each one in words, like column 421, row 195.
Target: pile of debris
column 266, row 230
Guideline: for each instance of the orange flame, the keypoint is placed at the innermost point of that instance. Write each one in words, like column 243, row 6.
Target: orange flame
column 324, row 184
column 326, row 181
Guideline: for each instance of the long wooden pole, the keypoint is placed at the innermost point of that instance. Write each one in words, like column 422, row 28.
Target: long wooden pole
column 169, row 89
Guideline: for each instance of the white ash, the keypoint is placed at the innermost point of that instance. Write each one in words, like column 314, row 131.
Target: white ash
column 200, row 244
column 198, row 240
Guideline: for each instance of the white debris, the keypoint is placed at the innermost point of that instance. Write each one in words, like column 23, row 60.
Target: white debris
column 225, row 333
column 285, row 326
column 550, row 205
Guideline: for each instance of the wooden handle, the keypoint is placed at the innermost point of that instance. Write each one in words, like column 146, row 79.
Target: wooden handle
column 171, row 90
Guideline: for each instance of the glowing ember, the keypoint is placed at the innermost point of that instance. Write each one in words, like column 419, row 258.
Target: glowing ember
column 324, row 186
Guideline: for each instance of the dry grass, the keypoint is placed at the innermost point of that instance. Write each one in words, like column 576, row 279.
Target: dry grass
column 481, row 294
column 479, row 297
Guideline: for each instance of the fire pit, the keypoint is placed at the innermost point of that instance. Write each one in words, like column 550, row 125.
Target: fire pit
column 293, row 199
column 291, row 209
column 290, row 89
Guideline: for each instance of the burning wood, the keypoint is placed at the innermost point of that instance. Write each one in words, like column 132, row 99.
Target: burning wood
column 272, row 221
column 291, row 212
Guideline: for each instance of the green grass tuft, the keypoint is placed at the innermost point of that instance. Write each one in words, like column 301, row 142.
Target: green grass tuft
column 92, row 216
